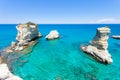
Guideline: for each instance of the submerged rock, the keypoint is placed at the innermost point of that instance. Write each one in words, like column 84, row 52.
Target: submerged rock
column 116, row 36
column 5, row 73
column 98, row 46
column 27, row 35
column 54, row 34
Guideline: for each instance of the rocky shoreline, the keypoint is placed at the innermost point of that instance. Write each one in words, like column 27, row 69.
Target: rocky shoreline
column 26, row 38
column 5, row 73
column 28, row 35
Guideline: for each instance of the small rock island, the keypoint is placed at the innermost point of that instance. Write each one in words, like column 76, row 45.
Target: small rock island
column 97, row 48
column 27, row 35
column 54, row 34
column 116, row 36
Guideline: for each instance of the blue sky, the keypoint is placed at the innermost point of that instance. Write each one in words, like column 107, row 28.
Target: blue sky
column 60, row 11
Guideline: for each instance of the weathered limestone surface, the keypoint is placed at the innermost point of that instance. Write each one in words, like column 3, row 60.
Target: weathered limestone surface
column 27, row 32
column 27, row 35
column 54, row 34
column 5, row 73
column 98, row 46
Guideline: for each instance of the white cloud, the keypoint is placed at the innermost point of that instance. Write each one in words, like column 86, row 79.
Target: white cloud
column 107, row 20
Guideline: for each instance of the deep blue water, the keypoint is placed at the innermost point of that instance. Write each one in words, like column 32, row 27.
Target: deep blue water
column 62, row 59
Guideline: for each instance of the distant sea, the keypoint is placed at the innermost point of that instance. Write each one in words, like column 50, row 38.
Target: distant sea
column 62, row 59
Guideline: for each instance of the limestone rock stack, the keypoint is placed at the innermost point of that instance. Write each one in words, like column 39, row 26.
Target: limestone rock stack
column 27, row 35
column 27, row 32
column 98, row 46
column 100, row 39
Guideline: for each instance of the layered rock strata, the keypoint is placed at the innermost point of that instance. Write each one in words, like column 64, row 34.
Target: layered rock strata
column 97, row 48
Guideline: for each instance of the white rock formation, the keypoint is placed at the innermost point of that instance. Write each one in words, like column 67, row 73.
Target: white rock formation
column 54, row 34
column 5, row 74
column 116, row 36
column 98, row 46
column 27, row 32
column 27, row 35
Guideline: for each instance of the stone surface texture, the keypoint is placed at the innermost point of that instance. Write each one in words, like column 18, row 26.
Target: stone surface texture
column 97, row 48
column 54, row 34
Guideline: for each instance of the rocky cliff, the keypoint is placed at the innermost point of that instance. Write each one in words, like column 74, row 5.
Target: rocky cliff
column 98, row 46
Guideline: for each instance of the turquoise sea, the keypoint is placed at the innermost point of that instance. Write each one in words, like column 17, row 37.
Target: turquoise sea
column 62, row 59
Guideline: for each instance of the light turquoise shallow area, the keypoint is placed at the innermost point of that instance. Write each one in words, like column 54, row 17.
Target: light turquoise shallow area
column 62, row 59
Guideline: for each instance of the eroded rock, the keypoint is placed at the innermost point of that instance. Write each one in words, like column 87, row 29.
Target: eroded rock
column 97, row 48
column 54, row 34
column 27, row 35
column 27, row 32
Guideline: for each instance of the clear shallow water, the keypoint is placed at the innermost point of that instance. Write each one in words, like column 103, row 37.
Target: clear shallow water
column 62, row 59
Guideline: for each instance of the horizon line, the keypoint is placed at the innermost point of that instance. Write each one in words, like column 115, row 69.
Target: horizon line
column 62, row 23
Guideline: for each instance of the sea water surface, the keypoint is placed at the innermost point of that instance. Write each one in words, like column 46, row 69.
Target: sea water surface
column 62, row 59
